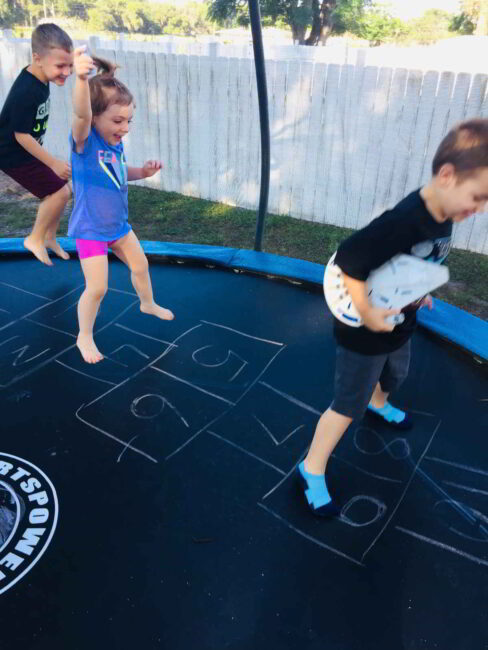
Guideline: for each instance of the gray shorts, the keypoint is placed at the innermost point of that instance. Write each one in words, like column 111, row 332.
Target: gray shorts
column 357, row 374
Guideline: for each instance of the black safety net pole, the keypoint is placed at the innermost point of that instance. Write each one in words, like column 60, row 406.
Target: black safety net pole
column 257, row 42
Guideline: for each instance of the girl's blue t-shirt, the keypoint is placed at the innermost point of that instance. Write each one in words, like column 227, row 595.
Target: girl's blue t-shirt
column 100, row 188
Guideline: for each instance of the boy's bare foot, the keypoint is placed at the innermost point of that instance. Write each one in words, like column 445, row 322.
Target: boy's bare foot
column 38, row 249
column 56, row 248
column 158, row 311
column 89, row 351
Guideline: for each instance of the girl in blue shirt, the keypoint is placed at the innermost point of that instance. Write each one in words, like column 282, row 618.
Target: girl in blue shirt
column 103, row 108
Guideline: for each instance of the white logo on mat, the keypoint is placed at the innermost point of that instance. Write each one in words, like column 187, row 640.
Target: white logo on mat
column 28, row 517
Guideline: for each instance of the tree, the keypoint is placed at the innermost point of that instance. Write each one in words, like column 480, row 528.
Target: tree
column 36, row 10
column 11, row 12
column 74, row 8
column 106, row 16
column 431, row 27
column 377, row 26
column 141, row 17
column 462, row 24
column 117, row 16
column 189, row 19
column 474, row 12
column 322, row 17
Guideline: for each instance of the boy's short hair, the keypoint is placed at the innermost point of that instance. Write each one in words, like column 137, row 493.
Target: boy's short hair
column 48, row 37
column 465, row 147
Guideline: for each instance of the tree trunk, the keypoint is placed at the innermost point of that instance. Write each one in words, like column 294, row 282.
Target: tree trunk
column 321, row 22
column 298, row 34
column 326, row 30
column 316, row 30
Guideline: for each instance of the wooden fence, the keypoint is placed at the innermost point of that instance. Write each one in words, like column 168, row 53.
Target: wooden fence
column 347, row 141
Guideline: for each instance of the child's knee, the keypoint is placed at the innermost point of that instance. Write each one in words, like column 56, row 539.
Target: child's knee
column 66, row 192
column 96, row 291
column 63, row 194
column 141, row 267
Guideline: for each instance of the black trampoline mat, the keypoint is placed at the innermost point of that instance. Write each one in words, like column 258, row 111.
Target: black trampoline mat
column 151, row 500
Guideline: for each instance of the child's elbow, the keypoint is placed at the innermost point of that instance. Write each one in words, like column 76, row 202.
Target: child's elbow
column 20, row 137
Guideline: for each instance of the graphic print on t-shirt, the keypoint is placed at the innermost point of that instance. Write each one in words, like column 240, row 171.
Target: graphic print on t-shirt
column 40, row 125
column 430, row 250
column 115, row 169
column 43, row 110
column 433, row 250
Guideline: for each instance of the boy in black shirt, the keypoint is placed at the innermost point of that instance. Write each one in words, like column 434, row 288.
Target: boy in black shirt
column 373, row 360
column 23, row 123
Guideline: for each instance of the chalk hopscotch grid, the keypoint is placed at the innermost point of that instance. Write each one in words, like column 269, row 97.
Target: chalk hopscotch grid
column 150, row 365
column 435, row 542
column 27, row 318
column 173, row 344
column 385, row 526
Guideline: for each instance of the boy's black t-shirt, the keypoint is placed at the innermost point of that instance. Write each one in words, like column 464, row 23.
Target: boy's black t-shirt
column 407, row 228
column 26, row 110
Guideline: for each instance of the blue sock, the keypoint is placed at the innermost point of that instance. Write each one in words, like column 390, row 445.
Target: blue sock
column 316, row 492
column 389, row 413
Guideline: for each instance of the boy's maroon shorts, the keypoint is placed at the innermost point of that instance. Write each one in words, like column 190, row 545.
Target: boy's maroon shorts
column 36, row 177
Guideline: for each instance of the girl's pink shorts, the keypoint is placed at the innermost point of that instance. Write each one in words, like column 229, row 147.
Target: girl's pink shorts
column 92, row 247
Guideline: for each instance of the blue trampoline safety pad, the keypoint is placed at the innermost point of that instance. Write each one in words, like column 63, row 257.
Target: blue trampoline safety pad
column 444, row 319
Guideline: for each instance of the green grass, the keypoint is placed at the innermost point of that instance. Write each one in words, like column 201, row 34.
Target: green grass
column 167, row 216
column 173, row 217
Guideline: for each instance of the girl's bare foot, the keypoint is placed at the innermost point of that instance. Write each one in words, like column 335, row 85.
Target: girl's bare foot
column 158, row 311
column 89, row 351
column 38, row 249
column 56, row 248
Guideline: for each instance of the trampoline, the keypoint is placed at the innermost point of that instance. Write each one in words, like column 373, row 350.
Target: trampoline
column 149, row 500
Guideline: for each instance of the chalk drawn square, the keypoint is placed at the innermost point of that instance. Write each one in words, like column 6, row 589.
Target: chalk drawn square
column 447, row 507
column 16, row 302
column 156, row 414
column 125, row 353
column 152, row 327
column 369, row 477
column 218, row 359
column 25, row 347
column 61, row 314
column 272, row 425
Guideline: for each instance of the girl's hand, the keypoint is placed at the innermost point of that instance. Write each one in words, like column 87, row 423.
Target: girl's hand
column 151, row 167
column 427, row 301
column 83, row 63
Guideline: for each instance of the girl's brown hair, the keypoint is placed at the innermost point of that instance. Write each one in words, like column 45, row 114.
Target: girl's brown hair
column 105, row 89
column 465, row 147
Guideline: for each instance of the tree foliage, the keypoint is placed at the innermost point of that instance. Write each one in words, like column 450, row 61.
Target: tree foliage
column 474, row 15
column 462, row 24
column 311, row 21
column 11, row 12
column 378, row 26
column 130, row 16
column 433, row 26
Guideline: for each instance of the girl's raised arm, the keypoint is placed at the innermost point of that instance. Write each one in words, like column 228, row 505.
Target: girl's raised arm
column 82, row 113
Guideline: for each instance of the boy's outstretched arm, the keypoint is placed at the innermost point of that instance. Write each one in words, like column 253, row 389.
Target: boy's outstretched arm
column 30, row 144
column 82, row 113
column 373, row 317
